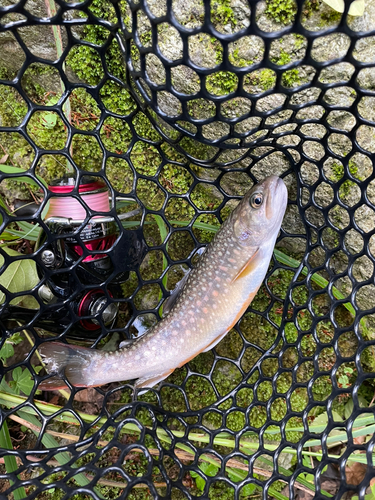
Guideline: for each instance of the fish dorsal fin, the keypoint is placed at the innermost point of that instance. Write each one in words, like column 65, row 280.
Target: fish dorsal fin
column 249, row 266
column 171, row 300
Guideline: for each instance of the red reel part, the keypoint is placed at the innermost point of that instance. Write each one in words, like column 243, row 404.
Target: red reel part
column 92, row 304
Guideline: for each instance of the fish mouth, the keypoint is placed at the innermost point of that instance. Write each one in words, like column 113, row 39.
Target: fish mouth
column 276, row 197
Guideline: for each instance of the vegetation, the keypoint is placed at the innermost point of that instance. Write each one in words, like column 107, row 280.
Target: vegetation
column 282, row 11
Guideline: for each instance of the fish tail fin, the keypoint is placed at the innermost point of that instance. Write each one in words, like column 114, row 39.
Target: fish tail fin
column 65, row 360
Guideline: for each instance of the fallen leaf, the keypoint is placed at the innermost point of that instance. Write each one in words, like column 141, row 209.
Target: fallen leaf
column 54, row 400
column 4, row 158
column 359, row 440
column 355, row 473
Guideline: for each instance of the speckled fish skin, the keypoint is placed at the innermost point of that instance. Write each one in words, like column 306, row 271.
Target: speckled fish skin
column 216, row 294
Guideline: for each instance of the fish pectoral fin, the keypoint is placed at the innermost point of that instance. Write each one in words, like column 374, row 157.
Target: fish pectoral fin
column 250, row 265
column 126, row 343
column 151, row 380
column 171, row 300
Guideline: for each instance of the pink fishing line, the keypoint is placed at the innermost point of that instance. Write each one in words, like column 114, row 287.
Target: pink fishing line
column 66, row 206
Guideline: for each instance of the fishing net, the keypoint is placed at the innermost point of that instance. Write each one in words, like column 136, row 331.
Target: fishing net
column 177, row 108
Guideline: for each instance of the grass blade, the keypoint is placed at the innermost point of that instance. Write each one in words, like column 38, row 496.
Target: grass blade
column 163, row 234
column 9, row 460
column 9, row 169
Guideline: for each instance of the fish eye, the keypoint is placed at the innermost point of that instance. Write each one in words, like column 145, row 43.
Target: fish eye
column 256, row 200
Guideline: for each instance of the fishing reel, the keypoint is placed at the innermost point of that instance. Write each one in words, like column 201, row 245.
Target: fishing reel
column 77, row 256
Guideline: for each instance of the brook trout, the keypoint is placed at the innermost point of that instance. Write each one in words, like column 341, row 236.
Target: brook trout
column 214, row 296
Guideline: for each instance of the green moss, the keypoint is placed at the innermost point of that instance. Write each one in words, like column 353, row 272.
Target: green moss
column 199, row 392
column 281, row 11
column 144, row 128
column 86, row 64
column 237, row 60
column 222, row 13
column 30, row 84
column 197, row 150
column 337, row 174
column 116, row 99
column 283, row 58
column 12, row 107
column 266, row 79
column 330, row 18
column 221, row 83
column 299, row 40
column 291, row 78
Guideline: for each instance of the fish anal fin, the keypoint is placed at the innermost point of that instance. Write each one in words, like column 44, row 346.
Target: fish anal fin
column 56, row 384
column 249, row 266
column 151, row 380
column 52, row 384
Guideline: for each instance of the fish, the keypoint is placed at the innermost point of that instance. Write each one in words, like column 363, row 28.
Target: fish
column 212, row 298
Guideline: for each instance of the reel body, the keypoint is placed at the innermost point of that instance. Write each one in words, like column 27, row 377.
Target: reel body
column 82, row 263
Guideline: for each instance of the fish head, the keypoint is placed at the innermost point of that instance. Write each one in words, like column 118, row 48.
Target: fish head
column 260, row 212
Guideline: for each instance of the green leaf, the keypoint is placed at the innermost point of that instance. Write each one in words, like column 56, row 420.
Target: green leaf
column 49, row 120
column 22, row 380
column 199, row 481
column 52, row 101
column 357, row 8
column 16, row 338
column 4, row 386
column 209, row 469
column 6, row 352
column 20, row 276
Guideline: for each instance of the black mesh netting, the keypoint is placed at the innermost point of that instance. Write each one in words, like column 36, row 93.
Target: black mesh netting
column 180, row 106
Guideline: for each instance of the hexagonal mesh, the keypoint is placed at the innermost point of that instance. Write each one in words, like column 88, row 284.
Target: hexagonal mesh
column 175, row 109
